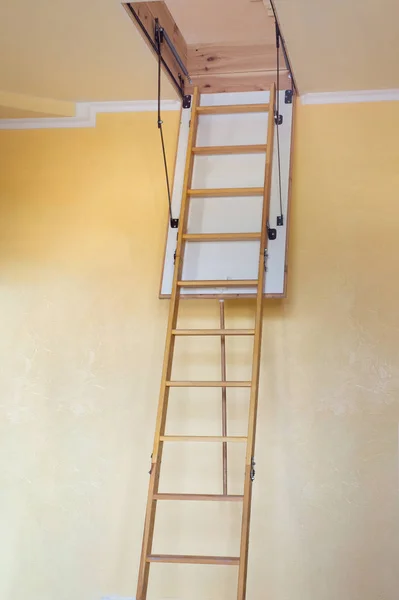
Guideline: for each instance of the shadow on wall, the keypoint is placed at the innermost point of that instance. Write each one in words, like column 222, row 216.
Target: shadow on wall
column 83, row 198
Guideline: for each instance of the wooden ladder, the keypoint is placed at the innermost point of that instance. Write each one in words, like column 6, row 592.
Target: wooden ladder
column 147, row 557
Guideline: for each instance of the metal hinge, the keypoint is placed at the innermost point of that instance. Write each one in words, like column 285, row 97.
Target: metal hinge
column 288, row 97
column 150, row 471
column 252, row 474
column 278, row 119
column 187, row 101
column 265, row 257
column 174, row 256
column 271, row 232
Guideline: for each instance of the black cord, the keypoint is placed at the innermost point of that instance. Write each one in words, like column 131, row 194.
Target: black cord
column 287, row 61
column 159, row 35
column 280, row 218
column 278, row 69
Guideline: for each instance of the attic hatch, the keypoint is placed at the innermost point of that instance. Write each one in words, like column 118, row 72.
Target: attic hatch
column 213, row 68
column 248, row 75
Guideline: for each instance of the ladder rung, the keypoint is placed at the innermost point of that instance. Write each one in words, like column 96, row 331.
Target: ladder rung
column 240, row 149
column 202, row 438
column 216, row 384
column 220, row 237
column 204, row 332
column 193, row 560
column 200, row 497
column 218, row 283
column 216, row 192
column 235, row 108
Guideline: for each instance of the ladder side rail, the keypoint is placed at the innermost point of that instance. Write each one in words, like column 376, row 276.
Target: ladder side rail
column 253, row 404
column 149, row 522
column 223, row 370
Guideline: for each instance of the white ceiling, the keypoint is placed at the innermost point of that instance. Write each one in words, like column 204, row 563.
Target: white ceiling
column 82, row 50
column 338, row 45
column 78, row 50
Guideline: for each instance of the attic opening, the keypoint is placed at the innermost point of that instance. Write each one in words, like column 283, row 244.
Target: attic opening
column 229, row 150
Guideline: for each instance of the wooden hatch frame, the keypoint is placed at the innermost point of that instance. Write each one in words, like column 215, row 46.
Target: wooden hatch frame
column 220, row 67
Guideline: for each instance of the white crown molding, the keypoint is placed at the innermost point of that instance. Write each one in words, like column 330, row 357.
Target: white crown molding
column 351, row 97
column 123, row 106
column 86, row 114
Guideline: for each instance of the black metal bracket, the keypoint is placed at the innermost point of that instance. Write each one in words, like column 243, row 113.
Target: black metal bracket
column 288, row 96
column 271, row 233
column 252, row 474
column 187, row 101
column 278, row 119
column 158, row 32
column 174, row 223
column 280, row 220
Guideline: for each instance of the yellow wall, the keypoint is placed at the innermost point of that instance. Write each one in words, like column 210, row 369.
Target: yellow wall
column 82, row 223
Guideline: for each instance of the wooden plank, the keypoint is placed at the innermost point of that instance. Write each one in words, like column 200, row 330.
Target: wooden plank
column 208, row 383
column 218, row 192
column 241, row 149
column 232, row 109
column 210, row 59
column 200, row 497
column 221, row 237
column 224, row 296
column 245, row 527
column 239, row 82
column 203, row 438
column 213, row 332
column 227, row 109
column 142, row 585
column 148, row 532
column 147, row 12
column 253, row 402
column 198, row 283
column 193, row 560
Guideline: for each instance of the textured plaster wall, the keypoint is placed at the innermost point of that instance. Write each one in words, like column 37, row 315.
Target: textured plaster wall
column 82, row 217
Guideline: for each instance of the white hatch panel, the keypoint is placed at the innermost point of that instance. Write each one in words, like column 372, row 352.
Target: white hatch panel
column 232, row 260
